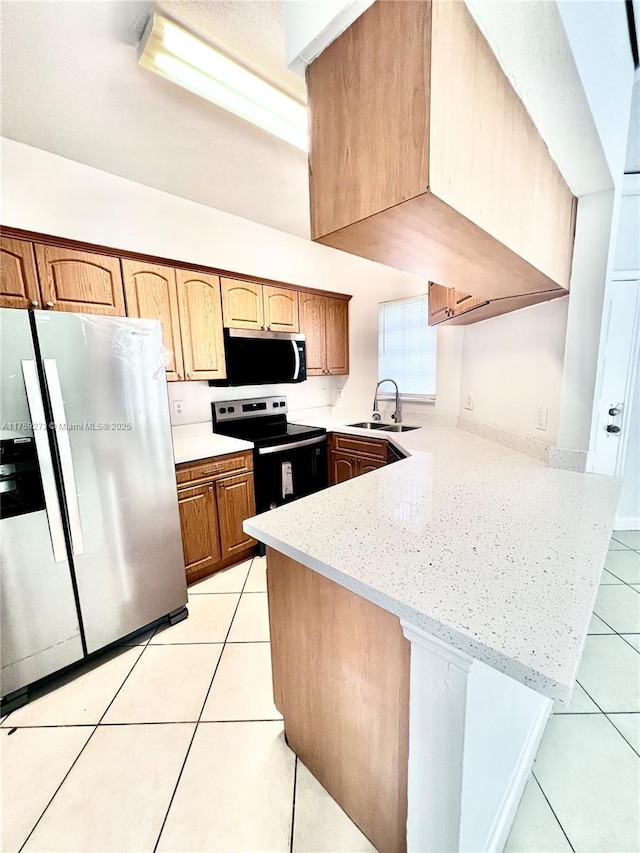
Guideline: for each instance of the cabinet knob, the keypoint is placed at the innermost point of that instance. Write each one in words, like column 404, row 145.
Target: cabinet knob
column 35, row 303
column 190, row 375
column 50, row 304
column 210, row 488
column 329, row 372
column 181, row 376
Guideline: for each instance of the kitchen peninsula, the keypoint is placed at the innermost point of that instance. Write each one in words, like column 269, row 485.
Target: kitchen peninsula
column 424, row 619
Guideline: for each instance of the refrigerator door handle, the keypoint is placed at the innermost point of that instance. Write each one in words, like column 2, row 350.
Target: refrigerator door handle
column 66, row 459
column 45, row 462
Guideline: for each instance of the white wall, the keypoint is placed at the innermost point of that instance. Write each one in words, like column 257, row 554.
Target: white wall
column 628, row 513
column 46, row 193
column 512, row 365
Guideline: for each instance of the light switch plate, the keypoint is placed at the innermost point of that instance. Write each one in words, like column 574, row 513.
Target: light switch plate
column 468, row 400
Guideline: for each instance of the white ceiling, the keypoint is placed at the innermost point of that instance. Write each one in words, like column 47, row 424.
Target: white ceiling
column 71, row 85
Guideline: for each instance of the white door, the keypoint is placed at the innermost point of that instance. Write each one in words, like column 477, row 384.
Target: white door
column 614, row 385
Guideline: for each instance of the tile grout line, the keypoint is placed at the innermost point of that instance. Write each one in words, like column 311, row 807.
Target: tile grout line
column 77, row 758
column 615, row 633
column 617, row 730
column 198, row 721
column 293, row 804
column 55, row 793
column 225, row 641
column 175, row 789
column 553, row 812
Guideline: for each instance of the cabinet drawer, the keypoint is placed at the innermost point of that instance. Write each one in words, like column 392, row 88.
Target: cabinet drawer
column 359, row 446
column 217, row 466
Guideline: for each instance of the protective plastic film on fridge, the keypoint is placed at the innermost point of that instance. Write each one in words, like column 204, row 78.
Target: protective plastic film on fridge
column 90, row 545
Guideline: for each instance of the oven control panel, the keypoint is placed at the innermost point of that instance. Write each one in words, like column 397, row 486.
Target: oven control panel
column 254, row 408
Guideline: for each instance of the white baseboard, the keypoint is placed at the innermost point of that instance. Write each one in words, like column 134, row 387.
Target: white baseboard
column 509, row 806
column 627, row 522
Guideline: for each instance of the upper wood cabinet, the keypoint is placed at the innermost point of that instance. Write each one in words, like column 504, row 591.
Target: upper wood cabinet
column 201, row 325
column 434, row 167
column 151, row 293
column 18, row 278
column 447, row 302
column 188, row 306
column 248, row 305
column 79, row 281
column 280, row 309
column 324, row 320
column 242, row 305
column 449, row 306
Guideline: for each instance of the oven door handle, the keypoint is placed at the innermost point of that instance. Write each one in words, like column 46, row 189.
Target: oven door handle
column 279, row 448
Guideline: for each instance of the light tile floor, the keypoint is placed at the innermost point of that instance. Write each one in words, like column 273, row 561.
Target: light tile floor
column 173, row 743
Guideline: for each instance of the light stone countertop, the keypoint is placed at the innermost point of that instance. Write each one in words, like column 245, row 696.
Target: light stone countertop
column 486, row 548
column 196, row 441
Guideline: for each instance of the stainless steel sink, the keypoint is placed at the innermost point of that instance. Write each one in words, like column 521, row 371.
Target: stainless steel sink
column 368, row 425
column 383, row 427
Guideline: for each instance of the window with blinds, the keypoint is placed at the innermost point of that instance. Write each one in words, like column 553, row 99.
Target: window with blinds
column 407, row 348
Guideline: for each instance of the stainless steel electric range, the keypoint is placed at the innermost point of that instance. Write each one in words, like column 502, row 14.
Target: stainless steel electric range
column 289, row 460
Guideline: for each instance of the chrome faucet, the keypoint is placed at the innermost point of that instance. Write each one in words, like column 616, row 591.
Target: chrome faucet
column 397, row 415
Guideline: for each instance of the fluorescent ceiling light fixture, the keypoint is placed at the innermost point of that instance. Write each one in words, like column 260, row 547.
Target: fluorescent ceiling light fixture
column 174, row 53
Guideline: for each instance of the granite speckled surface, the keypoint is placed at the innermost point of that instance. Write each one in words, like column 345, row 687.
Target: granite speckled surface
column 486, row 548
column 196, row 441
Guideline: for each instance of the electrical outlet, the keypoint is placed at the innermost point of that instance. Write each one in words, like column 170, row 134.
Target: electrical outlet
column 468, row 400
column 177, row 407
column 541, row 417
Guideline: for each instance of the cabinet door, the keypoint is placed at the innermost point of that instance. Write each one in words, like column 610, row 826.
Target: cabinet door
column 342, row 467
column 366, row 465
column 18, row 277
column 337, row 336
column 79, row 281
column 236, row 502
column 464, row 302
column 151, row 293
column 312, row 325
column 242, row 304
column 199, row 525
column 201, row 325
column 280, row 309
column 441, row 303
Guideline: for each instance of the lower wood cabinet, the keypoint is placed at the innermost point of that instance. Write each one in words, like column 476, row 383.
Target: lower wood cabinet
column 350, row 456
column 213, row 506
column 200, row 530
column 236, row 502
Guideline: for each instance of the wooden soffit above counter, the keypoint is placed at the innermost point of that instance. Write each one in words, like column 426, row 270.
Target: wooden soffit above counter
column 423, row 157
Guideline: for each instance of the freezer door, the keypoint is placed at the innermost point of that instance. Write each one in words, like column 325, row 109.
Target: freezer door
column 39, row 628
column 108, row 392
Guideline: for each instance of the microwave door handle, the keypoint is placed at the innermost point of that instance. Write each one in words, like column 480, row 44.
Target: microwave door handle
column 296, row 360
column 66, row 459
column 45, row 462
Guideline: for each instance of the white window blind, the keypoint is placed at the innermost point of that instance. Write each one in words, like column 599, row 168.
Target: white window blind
column 407, row 347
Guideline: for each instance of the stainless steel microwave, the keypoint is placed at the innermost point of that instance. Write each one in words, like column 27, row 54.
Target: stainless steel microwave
column 263, row 358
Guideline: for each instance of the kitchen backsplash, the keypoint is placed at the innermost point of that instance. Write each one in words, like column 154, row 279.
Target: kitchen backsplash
column 315, row 395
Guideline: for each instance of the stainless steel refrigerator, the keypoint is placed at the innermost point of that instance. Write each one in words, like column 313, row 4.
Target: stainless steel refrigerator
column 90, row 545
